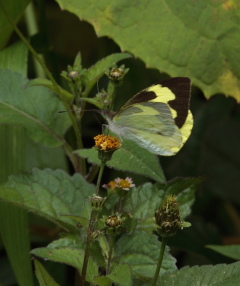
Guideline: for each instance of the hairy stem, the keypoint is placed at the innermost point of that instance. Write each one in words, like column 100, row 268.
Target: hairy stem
column 160, row 259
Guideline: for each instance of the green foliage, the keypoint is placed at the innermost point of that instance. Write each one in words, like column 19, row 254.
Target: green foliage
column 182, row 38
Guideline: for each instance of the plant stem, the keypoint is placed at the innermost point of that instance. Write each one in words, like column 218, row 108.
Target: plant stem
column 88, row 244
column 112, row 239
column 100, row 177
column 160, row 259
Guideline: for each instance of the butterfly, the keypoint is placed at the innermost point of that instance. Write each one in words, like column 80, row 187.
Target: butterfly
column 157, row 118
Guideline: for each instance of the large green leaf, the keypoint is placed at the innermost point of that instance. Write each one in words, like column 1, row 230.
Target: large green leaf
column 14, row 220
column 52, row 194
column 70, row 256
column 218, row 275
column 43, row 277
column 34, row 108
column 15, row 9
column 183, row 38
column 130, row 157
column 141, row 251
column 232, row 251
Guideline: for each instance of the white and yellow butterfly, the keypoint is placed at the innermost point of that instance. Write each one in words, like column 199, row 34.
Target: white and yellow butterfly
column 157, row 118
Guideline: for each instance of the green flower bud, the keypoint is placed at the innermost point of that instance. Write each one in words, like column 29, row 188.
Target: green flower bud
column 167, row 217
column 97, row 202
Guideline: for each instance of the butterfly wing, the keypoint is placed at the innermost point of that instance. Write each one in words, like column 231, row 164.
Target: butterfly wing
column 158, row 118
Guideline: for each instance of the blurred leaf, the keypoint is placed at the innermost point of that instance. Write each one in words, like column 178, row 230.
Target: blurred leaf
column 232, row 251
column 18, row 62
column 73, row 257
column 121, row 275
column 130, row 157
column 50, row 194
column 35, row 109
column 141, row 251
column 15, row 9
column 184, row 38
column 43, row 276
column 14, row 221
column 218, row 275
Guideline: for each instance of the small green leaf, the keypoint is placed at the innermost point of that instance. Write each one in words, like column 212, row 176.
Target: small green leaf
column 43, row 276
column 130, row 157
column 218, row 275
column 141, row 251
column 73, row 257
column 52, row 194
column 35, row 109
column 232, row 251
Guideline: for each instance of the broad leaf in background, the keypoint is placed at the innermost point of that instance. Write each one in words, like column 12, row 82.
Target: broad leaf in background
column 70, row 256
column 130, row 157
column 51, row 194
column 232, row 251
column 43, row 277
column 15, row 10
column 14, row 221
column 34, row 108
column 218, row 275
column 141, row 251
column 184, row 38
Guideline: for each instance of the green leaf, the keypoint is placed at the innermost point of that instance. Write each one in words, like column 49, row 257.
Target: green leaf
column 218, row 275
column 141, row 251
column 43, row 276
column 73, row 257
column 35, row 109
column 130, row 157
column 232, row 251
column 18, row 62
column 15, row 9
column 194, row 39
column 121, row 274
column 52, row 194
column 14, row 221
column 94, row 73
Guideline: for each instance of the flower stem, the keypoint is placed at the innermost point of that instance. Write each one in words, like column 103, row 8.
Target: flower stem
column 160, row 259
column 111, row 243
column 90, row 230
column 100, row 177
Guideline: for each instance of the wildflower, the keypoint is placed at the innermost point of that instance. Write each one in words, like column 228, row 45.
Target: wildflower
column 106, row 146
column 124, row 184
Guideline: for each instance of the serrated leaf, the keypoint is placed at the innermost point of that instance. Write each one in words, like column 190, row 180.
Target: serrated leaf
column 35, row 109
column 141, row 251
column 218, row 275
column 130, row 157
column 73, row 257
column 232, row 251
column 43, row 276
column 50, row 194
column 97, row 71
column 194, row 39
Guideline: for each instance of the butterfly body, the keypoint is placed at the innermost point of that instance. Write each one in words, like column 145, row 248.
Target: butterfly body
column 157, row 118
